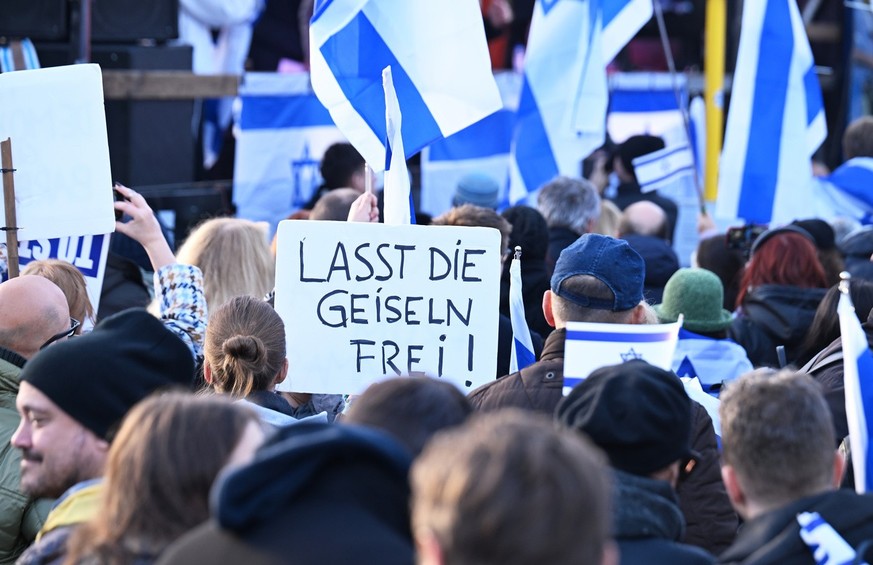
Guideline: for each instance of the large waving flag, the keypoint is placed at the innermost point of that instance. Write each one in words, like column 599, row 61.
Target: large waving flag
column 439, row 61
column 858, row 381
column 522, row 346
column 776, row 120
column 564, row 97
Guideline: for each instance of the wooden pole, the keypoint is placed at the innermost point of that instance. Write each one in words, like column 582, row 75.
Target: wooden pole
column 9, row 203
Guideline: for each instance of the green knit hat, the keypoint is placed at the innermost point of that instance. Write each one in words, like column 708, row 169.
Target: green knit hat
column 698, row 294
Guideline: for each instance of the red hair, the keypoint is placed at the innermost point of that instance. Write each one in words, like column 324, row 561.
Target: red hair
column 787, row 259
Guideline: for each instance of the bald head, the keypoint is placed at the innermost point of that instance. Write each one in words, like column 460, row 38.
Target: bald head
column 644, row 218
column 32, row 309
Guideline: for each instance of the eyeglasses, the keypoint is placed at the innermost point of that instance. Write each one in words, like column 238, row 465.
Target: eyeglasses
column 74, row 325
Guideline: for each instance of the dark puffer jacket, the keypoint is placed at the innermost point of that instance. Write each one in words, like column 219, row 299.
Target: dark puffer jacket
column 773, row 315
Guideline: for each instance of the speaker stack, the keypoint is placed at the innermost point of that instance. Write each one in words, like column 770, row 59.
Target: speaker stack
column 150, row 142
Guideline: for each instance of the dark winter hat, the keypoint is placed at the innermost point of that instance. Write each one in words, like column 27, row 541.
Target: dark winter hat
column 529, row 230
column 637, row 146
column 769, row 234
column 610, row 260
column 821, row 232
column 98, row 377
column 698, row 295
column 638, row 414
column 478, row 189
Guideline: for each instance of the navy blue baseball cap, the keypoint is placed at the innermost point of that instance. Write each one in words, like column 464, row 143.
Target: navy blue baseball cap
column 611, row 261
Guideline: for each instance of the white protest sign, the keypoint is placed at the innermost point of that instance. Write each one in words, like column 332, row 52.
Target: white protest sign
column 60, row 152
column 87, row 253
column 590, row 346
column 363, row 302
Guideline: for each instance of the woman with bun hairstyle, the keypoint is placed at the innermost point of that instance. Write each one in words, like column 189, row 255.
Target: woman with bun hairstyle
column 781, row 287
column 245, row 355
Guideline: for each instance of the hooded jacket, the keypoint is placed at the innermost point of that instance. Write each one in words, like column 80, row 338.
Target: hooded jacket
column 773, row 315
column 315, row 493
column 647, row 523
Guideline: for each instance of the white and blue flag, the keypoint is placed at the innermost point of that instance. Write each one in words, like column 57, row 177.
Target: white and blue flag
column 664, row 167
column 398, row 194
column 439, row 60
column 858, row 381
column 847, row 191
column 590, row 346
column 481, row 148
column 281, row 131
column 776, row 119
column 564, row 98
column 826, row 544
column 522, row 345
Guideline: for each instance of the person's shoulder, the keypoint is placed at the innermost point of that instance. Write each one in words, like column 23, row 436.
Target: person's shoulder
column 487, row 396
column 655, row 550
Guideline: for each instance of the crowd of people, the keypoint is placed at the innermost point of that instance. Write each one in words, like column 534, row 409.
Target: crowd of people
column 160, row 437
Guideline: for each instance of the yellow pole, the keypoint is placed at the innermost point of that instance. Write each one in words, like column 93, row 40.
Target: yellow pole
column 716, row 31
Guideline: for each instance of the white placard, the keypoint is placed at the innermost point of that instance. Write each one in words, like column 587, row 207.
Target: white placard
column 55, row 118
column 590, row 346
column 363, row 302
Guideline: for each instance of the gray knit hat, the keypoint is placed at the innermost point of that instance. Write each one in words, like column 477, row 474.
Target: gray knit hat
column 698, row 295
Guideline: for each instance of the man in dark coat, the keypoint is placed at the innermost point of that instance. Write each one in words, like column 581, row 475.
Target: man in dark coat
column 779, row 461
column 641, row 417
column 600, row 279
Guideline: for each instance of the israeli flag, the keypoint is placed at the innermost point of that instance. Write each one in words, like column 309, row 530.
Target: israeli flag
column 564, row 98
column 590, row 346
column 776, row 120
column 826, row 544
column 481, row 148
column 281, row 131
column 522, row 346
column 398, row 196
column 847, row 191
column 858, row 381
column 439, row 60
column 663, row 168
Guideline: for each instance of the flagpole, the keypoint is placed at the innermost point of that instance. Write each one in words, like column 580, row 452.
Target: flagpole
column 686, row 121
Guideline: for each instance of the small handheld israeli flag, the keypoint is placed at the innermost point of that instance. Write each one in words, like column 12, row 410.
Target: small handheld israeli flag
column 827, row 545
column 664, row 167
column 590, row 346
column 858, row 381
column 522, row 345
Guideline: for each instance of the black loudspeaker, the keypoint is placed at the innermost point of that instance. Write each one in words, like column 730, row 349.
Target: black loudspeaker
column 40, row 20
column 189, row 204
column 150, row 141
column 121, row 21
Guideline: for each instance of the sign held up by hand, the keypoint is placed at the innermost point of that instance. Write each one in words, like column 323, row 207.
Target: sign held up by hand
column 364, row 302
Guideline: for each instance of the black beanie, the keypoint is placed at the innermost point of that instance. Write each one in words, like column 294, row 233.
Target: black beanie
column 529, row 230
column 638, row 414
column 98, row 377
column 821, row 232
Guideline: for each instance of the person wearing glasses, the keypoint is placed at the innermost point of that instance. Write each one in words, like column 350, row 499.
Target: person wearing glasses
column 33, row 314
